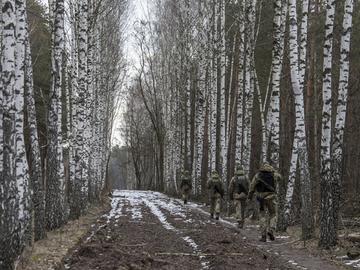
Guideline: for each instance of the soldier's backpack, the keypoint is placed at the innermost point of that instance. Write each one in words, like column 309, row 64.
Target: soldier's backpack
column 241, row 184
column 266, row 182
column 217, row 187
column 186, row 182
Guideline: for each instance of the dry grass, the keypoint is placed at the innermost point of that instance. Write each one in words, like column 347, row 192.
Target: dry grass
column 47, row 254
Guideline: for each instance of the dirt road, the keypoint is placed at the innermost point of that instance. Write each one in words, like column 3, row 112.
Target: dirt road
column 148, row 230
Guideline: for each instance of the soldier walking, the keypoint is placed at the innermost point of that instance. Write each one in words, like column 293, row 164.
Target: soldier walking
column 238, row 190
column 265, row 184
column 216, row 192
column 185, row 186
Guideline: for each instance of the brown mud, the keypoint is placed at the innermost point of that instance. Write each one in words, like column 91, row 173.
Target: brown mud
column 147, row 230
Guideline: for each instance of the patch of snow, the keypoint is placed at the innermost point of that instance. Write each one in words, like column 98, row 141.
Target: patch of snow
column 342, row 257
column 116, row 209
column 189, row 220
column 94, row 232
column 252, row 226
column 282, row 237
column 292, row 262
column 191, row 243
column 156, row 201
column 157, row 212
column 136, row 208
column 354, row 263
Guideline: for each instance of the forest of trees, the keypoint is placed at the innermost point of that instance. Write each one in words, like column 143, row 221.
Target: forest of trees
column 223, row 82
column 61, row 68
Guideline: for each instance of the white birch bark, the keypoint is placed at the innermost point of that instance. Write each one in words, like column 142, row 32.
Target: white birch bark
column 74, row 91
column 240, row 94
column 338, row 137
column 213, row 91
column 81, row 175
column 249, row 83
column 55, row 189
column 21, row 164
column 223, row 122
column 2, row 183
column 9, row 201
column 299, row 143
column 328, row 232
column 273, row 115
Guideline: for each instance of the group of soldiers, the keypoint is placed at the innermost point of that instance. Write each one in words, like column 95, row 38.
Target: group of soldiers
column 241, row 192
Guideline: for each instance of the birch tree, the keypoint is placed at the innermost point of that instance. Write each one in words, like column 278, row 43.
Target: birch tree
column 9, row 199
column 299, row 150
column 55, row 181
column 36, row 180
column 338, row 137
column 272, row 144
column 21, row 164
column 328, row 235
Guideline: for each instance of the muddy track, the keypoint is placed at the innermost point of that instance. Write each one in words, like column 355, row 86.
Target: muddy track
column 148, row 230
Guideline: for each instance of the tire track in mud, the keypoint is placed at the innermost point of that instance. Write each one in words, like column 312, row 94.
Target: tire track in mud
column 130, row 239
column 149, row 230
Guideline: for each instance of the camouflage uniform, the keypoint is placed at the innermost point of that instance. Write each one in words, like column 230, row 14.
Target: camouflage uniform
column 238, row 190
column 216, row 192
column 185, row 186
column 265, row 184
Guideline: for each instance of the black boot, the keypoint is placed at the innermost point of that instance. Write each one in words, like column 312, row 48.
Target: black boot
column 271, row 236
column 211, row 216
column 185, row 201
column 240, row 224
column 217, row 217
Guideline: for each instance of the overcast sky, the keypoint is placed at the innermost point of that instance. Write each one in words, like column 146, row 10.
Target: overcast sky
column 138, row 11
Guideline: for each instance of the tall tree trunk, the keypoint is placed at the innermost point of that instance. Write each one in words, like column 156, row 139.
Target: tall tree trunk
column 273, row 114
column 81, row 161
column 248, row 83
column 223, row 101
column 36, row 180
column 328, row 234
column 21, row 164
column 9, row 236
column 240, row 92
column 299, row 151
column 55, row 211
column 338, row 137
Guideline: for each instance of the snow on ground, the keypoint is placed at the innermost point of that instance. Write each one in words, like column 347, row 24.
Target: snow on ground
column 156, row 201
column 161, row 217
column 205, row 264
column 94, row 232
column 346, row 261
column 116, row 209
column 136, row 208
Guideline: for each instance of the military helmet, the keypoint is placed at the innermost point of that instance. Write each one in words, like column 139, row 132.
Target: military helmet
column 186, row 172
column 215, row 175
column 266, row 167
column 239, row 170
